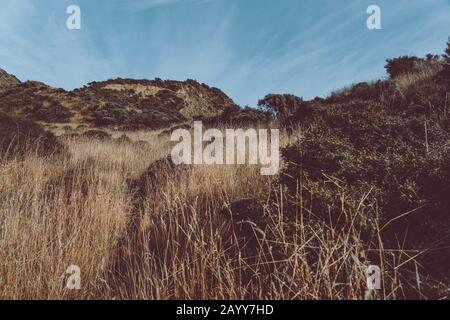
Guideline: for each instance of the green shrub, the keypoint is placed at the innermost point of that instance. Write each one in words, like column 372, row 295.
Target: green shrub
column 281, row 106
column 402, row 65
column 447, row 52
column 19, row 137
column 399, row 157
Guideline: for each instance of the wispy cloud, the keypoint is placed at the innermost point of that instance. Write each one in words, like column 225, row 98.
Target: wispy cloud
column 248, row 48
column 149, row 4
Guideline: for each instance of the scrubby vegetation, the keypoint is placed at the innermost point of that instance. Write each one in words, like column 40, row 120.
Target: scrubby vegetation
column 281, row 106
column 365, row 180
column 35, row 101
column 120, row 103
column 384, row 147
column 20, row 138
column 7, row 80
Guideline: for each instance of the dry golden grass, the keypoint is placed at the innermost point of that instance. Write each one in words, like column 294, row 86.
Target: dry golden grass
column 78, row 209
column 406, row 83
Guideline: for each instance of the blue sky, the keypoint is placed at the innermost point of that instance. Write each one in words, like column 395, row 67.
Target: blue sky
column 247, row 48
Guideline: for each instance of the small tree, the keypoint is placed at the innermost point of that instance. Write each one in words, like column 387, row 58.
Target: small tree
column 432, row 58
column 281, row 106
column 402, row 65
column 447, row 51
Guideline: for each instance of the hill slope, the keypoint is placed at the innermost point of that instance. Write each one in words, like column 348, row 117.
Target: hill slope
column 7, row 80
column 122, row 103
column 382, row 147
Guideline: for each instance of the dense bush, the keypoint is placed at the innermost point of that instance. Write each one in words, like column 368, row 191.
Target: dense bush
column 35, row 101
column 402, row 65
column 447, row 52
column 237, row 118
column 393, row 154
column 19, row 137
column 362, row 91
column 150, row 104
column 280, row 105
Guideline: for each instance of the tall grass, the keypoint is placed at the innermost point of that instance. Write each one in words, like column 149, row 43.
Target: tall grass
column 179, row 242
column 405, row 84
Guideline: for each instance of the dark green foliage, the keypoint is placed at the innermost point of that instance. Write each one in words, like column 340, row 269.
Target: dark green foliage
column 444, row 75
column 34, row 101
column 154, row 176
column 447, row 52
column 249, row 225
column 402, row 65
column 360, row 144
column 281, row 106
column 19, row 137
column 130, row 111
column 238, row 118
column 362, row 91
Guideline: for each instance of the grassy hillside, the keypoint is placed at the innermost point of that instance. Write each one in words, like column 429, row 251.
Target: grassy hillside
column 120, row 103
column 383, row 148
column 7, row 80
column 365, row 180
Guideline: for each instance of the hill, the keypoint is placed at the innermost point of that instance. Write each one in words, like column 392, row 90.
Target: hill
column 122, row 103
column 7, row 80
column 364, row 180
column 381, row 148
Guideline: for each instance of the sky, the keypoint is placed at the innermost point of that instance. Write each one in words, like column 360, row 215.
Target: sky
column 247, row 48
